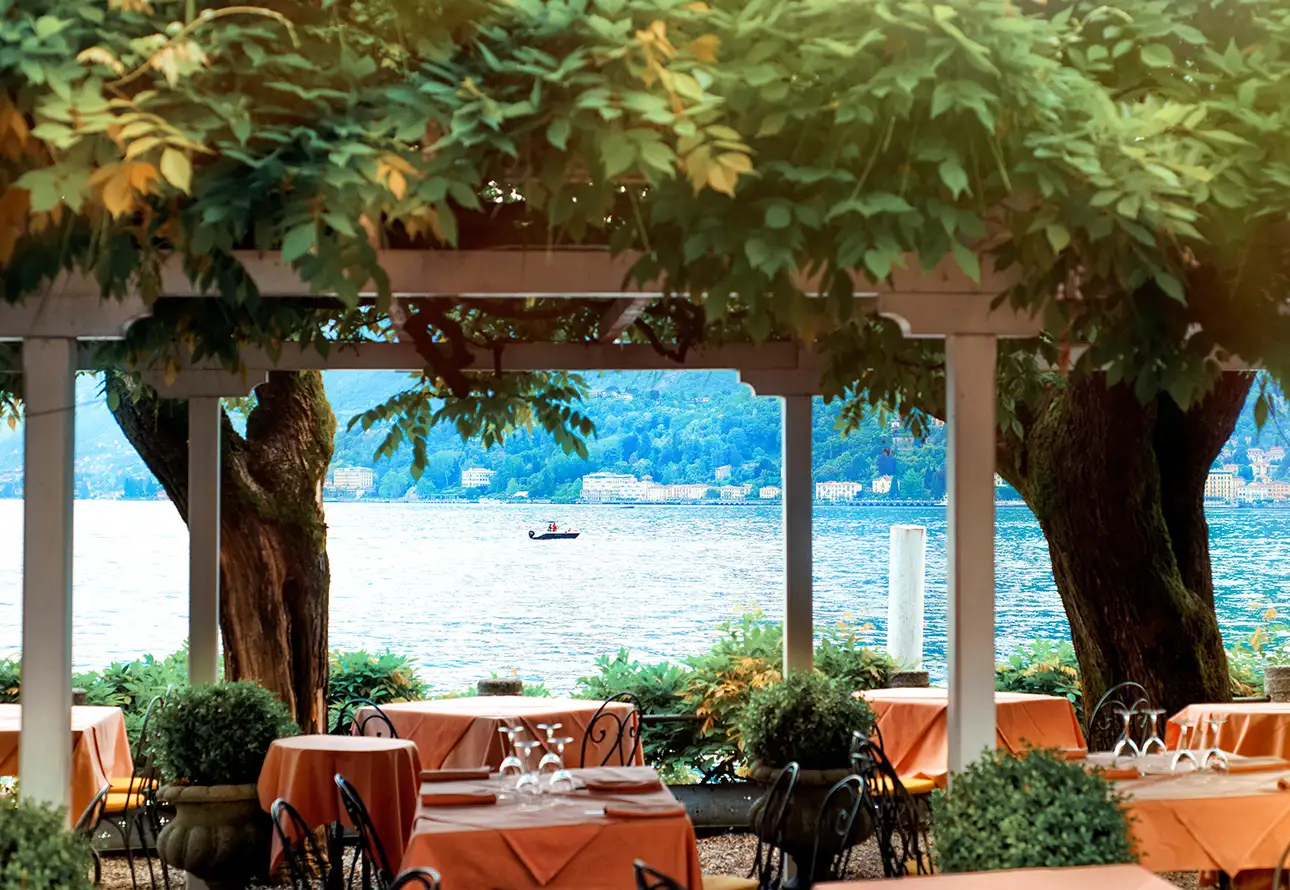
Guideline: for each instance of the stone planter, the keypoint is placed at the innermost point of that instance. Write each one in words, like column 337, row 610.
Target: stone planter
column 219, row 834
column 802, row 825
column 909, row 680
column 500, row 686
column 1276, row 682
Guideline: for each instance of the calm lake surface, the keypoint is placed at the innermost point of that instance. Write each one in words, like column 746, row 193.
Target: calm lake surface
column 463, row 590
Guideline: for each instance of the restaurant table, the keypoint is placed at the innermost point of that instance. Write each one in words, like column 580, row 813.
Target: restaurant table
column 463, row 732
column 1103, row 877
column 100, row 750
column 1254, row 729
column 562, row 842
column 915, row 734
column 384, row 772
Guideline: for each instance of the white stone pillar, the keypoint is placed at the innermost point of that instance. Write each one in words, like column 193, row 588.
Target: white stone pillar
column 49, row 399
column 204, row 420
column 970, row 393
column 799, row 627
column 906, row 567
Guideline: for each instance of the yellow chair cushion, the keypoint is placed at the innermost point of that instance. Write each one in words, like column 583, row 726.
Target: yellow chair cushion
column 916, row 787
column 728, row 882
column 121, row 801
column 128, row 784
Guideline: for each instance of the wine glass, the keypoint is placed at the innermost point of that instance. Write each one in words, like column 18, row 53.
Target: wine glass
column 551, row 759
column 1183, row 751
column 561, row 781
column 527, row 785
column 1126, row 734
column 512, row 767
column 1214, row 751
column 1154, row 743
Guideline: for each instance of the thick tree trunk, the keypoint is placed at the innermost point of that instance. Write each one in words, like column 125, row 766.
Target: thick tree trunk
column 274, row 569
column 1118, row 488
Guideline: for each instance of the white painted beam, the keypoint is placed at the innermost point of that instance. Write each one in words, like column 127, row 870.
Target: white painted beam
column 204, row 422
column 57, row 314
column 619, row 316
column 970, row 362
column 204, row 383
column 799, row 610
column 45, row 745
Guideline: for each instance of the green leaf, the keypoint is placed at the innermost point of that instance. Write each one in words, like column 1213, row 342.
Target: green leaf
column 757, row 252
column 778, row 216
column 953, row 175
column 967, row 261
column 1058, row 237
column 1157, row 55
column 558, row 133
column 299, row 241
column 47, row 26
column 616, row 153
column 1171, row 286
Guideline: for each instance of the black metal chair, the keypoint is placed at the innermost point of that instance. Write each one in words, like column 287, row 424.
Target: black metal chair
column 305, row 862
column 897, row 819
column 651, row 879
column 425, row 878
column 625, row 731
column 836, row 829
column 371, row 855
column 1103, row 722
column 85, row 827
column 1280, row 869
column 769, row 866
column 351, row 720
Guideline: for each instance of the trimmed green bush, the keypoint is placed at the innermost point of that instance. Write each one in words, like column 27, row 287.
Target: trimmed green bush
column 1043, row 668
column 1035, row 810
column 808, row 718
column 377, row 676
column 37, row 852
column 218, row 734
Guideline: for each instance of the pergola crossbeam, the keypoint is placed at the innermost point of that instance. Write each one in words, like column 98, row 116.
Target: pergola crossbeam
column 619, row 316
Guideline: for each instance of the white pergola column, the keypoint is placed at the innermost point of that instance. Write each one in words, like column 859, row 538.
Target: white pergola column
column 970, row 395
column 204, row 420
column 49, row 396
column 799, row 610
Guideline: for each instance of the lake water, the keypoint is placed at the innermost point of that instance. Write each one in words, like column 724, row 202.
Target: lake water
column 463, row 590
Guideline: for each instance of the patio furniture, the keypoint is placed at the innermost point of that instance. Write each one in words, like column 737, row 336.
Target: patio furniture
column 463, row 732
column 897, row 819
column 300, row 849
column 372, row 858
column 612, row 735
column 85, row 826
column 915, row 731
column 565, row 842
column 424, row 878
column 1103, row 877
column 1251, row 729
column 1105, row 719
column 651, row 879
column 384, row 772
column 1280, row 869
column 362, row 716
column 769, row 865
column 836, row 831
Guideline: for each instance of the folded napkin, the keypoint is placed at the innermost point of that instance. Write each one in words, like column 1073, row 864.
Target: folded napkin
column 454, row 775
column 1075, row 753
column 644, row 811
column 1121, row 773
column 1257, row 766
column 624, row 786
column 464, row 799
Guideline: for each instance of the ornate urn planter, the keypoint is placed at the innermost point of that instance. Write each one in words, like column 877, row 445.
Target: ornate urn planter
column 219, row 834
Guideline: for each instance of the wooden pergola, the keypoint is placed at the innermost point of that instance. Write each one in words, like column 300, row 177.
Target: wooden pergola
column 940, row 303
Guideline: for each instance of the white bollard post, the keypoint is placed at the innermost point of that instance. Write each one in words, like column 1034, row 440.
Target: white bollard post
column 907, row 570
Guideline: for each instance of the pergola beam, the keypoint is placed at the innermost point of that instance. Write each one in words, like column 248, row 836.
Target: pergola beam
column 619, row 316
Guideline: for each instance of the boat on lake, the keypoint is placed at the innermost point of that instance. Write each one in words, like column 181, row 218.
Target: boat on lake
column 553, row 532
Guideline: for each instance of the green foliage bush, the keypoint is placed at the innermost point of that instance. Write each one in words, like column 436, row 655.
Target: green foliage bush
column 37, row 852
column 10, row 680
column 809, row 718
column 377, row 676
column 1043, row 668
column 218, row 734
column 1035, row 810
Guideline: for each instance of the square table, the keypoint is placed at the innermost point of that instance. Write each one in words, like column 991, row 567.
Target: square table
column 563, row 842
column 1252, row 729
column 100, row 750
column 1103, row 877
column 915, row 734
column 463, row 732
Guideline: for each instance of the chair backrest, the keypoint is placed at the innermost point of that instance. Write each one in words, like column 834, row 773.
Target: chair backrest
column 772, row 821
column 898, row 823
column 362, row 716
column 304, row 859
column 369, row 842
column 835, row 831
column 92, row 814
column 651, row 879
column 625, row 731
column 1280, row 869
column 426, row 878
column 145, row 764
column 1103, row 721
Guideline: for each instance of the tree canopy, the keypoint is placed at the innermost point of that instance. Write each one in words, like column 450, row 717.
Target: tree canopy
column 1127, row 164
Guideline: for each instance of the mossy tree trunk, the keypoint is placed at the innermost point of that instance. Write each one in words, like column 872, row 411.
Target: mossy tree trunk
column 1118, row 488
column 274, row 571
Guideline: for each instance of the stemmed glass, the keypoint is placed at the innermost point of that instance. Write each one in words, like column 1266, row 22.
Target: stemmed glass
column 1183, row 751
column 1126, row 734
column 1154, row 743
column 1214, row 751
column 528, row 785
column 512, row 767
column 561, row 781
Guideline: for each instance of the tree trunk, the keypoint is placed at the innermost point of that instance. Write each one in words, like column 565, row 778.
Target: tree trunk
column 274, row 572
column 1118, row 488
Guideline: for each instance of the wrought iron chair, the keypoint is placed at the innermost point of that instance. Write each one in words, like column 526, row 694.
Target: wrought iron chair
column 1121, row 696
column 1281, row 868
column 769, row 865
column 85, row 827
column 626, row 731
column 371, row 855
column 305, row 862
column 897, row 819
column 350, row 720
column 651, row 879
column 425, row 878
column 836, row 829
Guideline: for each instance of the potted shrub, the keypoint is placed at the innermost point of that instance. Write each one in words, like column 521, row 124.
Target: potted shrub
column 210, row 742
column 808, row 719
column 1033, row 810
column 37, row 852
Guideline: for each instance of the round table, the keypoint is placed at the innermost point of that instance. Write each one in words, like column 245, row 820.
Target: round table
column 386, row 773
column 1251, row 729
column 453, row 733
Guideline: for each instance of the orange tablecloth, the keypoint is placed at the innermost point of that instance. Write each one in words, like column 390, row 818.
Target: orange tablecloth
column 1209, row 821
column 385, row 772
column 100, row 750
column 1104, row 877
column 565, row 842
column 1253, row 729
column 915, row 733
column 462, row 732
